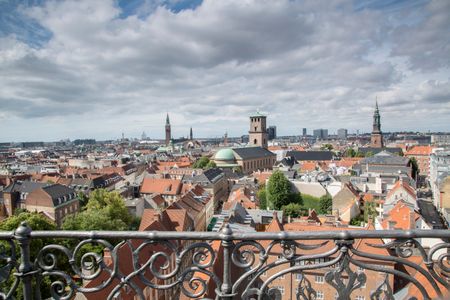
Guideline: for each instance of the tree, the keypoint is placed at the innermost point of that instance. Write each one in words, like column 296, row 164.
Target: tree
column 328, row 147
column 349, row 152
column 370, row 211
column 261, row 194
column 83, row 199
column 278, row 190
column 201, row 163
column 104, row 211
column 112, row 202
column 369, row 154
column 414, row 167
column 36, row 221
column 359, row 154
column 326, row 204
column 293, row 210
column 211, row 164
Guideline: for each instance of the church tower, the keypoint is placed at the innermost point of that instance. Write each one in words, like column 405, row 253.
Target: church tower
column 376, row 139
column 168, row 132
column 258, row 130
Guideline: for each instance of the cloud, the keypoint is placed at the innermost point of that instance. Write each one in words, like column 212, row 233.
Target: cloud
column 210, row 64
column 426, row 44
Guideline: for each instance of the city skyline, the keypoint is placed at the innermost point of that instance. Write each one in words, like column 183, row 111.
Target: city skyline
column 210, row 64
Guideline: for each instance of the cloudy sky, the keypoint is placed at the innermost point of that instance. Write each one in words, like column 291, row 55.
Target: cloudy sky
column 79, row 69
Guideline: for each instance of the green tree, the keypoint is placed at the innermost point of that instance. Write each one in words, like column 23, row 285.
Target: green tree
column 211, row 164
column 414, row 167
column 293, row 210
column 328, row 147
column 261, row 194
column 326, row 204
column 83, row 199
column 104, row 211
column 112, row 202
column 237, row 169
column 349, row 152
column 36, row 221
column 369, row 154
column 278, row 190
column 359, row 154
column 201, row 163
column 370, row 211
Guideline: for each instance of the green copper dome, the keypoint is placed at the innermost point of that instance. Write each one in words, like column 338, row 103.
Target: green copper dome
column 224, row 155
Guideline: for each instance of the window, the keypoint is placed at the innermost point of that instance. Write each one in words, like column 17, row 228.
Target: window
column 319, row 295
column 298, row 276
column 359, row 298
column 319, row 279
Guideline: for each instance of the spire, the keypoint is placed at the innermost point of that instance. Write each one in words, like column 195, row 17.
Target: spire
column 167, row 119
column 191, row 136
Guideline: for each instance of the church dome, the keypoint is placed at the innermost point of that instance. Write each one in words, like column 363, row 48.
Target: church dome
column 224, row 155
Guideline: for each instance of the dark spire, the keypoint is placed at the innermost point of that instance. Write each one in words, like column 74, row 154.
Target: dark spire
column 191, row 136
column 167, row 119
column 376, row 119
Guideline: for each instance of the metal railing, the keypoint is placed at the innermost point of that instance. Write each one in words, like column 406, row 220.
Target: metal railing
column 223, row 265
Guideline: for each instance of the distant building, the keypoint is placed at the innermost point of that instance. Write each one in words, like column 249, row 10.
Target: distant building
column 440, row 139
column 320, row 134
column 376, row 139
column 342, row 133
column 249, row 159
column 168, row 131
column 305, row 133
column 439, row 170
column 32, row 144
column 84, row 142
column 422, row 156
column 258, row 130
column 55, row 201
column 272, row 132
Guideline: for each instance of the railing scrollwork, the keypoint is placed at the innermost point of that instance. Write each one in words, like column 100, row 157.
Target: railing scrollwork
column 224, row 265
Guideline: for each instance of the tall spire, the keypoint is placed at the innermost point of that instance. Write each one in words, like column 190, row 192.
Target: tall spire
column 376, row 118
column 191, row 136
column 377, row 136
column 167, row 119
column 168, row 131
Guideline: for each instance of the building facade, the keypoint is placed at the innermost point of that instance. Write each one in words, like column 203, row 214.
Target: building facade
column 342, row 133
column 272, row 132
column 320, row 134
column 258, row 130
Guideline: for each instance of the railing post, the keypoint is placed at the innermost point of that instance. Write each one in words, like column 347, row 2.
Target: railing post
column 227, row 244
column 22, row 235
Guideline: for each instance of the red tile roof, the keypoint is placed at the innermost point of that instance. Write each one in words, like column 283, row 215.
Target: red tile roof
column 419, row 150
column 161, row 186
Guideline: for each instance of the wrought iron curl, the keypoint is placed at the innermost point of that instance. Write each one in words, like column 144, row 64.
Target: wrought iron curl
column 245, row 258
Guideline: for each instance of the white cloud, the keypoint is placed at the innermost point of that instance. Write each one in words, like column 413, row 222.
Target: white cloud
column 305, row 63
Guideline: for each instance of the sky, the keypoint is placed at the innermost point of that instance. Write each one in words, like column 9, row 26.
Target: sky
column 97, row 69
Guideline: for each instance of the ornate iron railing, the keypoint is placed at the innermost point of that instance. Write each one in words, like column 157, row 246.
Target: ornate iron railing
column 339, row 264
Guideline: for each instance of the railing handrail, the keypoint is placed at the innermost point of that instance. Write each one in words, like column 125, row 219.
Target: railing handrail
column 193, row 235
